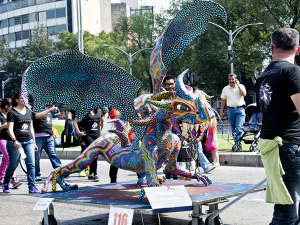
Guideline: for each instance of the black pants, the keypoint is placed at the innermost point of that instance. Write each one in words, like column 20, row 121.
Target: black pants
column 93, row 167
column 113, row 171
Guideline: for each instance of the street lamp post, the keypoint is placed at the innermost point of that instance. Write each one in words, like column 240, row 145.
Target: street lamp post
column 3, row 85
column 230, row 39
column 129, row 55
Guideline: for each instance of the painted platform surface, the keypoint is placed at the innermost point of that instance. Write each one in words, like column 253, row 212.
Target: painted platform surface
column 125, row 194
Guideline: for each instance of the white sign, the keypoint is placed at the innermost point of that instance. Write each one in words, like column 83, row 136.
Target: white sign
column 43, row 203
column 169, row 199
column 120, row 216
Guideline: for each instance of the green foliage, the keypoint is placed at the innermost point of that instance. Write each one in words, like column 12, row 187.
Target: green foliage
column 206, row 56
column 40, row 44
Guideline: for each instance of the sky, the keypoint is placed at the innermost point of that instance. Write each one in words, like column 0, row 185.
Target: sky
column 157, row 3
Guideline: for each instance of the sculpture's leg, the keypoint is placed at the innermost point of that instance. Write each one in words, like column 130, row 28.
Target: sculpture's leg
column 149, row 160
column 172, row 166
column 79, row 164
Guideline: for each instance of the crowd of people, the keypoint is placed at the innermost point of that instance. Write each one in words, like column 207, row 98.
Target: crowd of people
column 26, row 134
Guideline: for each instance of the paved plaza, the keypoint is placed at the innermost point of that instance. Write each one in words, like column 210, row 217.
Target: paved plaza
column 16, row 207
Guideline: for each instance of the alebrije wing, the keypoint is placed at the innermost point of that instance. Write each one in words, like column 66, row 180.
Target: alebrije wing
column 83, row 83
column 180, row 32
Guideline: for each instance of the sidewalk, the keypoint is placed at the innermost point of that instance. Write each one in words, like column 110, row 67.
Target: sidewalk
column 226, row 158
column 16, row 208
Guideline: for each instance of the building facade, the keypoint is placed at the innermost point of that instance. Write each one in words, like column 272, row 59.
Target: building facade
column 134, row 4
column 19, row 17
column 118, row 10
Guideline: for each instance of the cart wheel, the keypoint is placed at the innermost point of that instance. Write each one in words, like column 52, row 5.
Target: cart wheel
column 51, row 219
column 251, row 148
column 233, row 148
column 217, row 221
column 239, row 148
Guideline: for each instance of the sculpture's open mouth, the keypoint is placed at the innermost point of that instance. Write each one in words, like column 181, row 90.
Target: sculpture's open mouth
column 192, row 132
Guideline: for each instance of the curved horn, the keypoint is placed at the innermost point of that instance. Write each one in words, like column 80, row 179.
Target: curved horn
column 162, row 95
column 181, row 90
column 147, row 122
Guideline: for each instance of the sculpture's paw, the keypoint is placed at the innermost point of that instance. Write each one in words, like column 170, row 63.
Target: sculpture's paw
column 73, row 187
column 154, row 184
column 161, row 180
column 207, row 179
column 46, row 183
column 203, row 179
column 142, row 194
column 65, row 186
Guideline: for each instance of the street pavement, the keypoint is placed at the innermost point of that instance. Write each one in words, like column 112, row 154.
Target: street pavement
column 16, row 208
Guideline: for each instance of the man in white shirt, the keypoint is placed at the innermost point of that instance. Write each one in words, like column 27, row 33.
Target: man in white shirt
column 234, row 94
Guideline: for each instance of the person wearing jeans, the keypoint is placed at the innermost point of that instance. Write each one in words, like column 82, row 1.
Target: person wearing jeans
column 21, row 138
column 278, row 97
column 234, row 94
column 204, row 163
column 236, row 118
column 42, row 124
column 5, row 107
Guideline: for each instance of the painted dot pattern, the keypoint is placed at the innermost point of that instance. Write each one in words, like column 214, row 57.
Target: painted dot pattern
column 83, row 83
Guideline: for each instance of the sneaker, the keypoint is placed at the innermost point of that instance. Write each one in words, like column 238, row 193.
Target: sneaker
column 87, row 172
column 34, row 190
column 15, row 182
column 210, row 169
column 96, row 179
column 5, row 188
column 216, row 164
column 82, row 173
column 38, row 178
column 1, row 180
column 90, row 178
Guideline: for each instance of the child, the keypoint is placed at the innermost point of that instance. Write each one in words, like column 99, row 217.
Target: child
column 212, row 142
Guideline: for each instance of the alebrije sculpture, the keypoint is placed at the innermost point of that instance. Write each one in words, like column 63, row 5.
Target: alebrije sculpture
column 84, row 83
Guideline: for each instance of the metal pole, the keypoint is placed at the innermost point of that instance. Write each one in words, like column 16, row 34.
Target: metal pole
column 230, row 49
column 3, row 85
column 78, row 28
column 230, row 39
column 2, row 90
column 81, row 33
column 130, row 62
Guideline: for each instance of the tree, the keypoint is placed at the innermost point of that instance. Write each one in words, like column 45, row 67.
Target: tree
column 139, row 32
column 40, row 44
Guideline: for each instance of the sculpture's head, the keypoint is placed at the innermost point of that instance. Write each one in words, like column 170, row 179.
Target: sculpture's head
column 190, row 112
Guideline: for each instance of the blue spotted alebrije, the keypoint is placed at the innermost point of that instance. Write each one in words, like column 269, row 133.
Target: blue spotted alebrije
column 186, row 25
column 83, row 83
column 207, row 179
column 142, row 194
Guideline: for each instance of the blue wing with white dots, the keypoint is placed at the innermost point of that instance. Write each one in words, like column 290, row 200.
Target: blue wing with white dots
column 83, row 83
column 186, row 25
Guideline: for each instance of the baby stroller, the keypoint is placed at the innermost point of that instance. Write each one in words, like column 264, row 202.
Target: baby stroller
column 252, row 128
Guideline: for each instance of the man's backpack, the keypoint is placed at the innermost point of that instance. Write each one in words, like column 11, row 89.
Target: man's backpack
column 70, row 137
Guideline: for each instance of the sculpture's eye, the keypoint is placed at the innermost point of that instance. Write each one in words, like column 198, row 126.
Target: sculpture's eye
column 182, row 107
